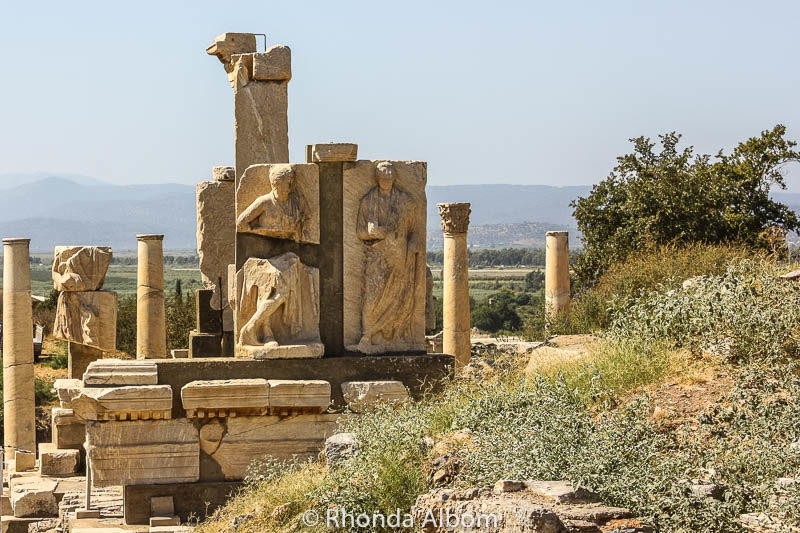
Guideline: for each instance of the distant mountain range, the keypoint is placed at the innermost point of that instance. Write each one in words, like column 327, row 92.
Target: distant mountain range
column 55, row 209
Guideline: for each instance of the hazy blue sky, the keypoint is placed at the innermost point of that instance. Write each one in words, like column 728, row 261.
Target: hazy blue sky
column 486, row 92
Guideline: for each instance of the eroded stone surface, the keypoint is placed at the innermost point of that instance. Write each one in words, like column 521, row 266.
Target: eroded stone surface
column 329, row 152
column 116, row 372
column 273, row 65
column 339, row 448
column 69, row 432
column 290, row 396
column 88, row 318
column 136, row 402
column 231, row 444
column 227, row 397
column 33, row 497
column 143, row 452
column 80, row 268
column 216, row 234
column 67, row 390
column 384, row 256
column 278, row 311
column 361, row 395
column 56, row 462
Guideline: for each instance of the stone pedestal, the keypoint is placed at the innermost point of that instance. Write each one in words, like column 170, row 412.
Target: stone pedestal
column 18, row 392
column 151, row 332
column 556, row 275
column 455, row 277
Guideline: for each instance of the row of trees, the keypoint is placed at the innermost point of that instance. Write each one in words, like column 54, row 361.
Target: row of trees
column 496, row 257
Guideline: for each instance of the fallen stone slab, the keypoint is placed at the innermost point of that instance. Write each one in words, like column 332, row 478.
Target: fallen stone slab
column 363, row 395
column 33, row 497
column 118, row 372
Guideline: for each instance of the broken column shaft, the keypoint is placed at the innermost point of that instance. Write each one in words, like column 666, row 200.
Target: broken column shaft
column 455, row 275
column 151, row 332
column 556, row 276
column 18, row 391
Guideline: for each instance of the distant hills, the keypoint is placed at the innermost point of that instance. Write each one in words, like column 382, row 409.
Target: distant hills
column 75, row 209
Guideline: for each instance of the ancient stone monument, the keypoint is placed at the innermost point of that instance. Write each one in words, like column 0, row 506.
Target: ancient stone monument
column 86, row 316
column 216, row 238
column 455, row 274
column 556, row 274
column 151, row 329
column 19, row 432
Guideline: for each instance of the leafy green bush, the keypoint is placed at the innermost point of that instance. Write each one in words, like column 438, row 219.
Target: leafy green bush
column 746, row 313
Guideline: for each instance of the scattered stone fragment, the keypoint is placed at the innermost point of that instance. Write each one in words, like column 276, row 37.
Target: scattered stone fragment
column 362, row 395
column 508, row 485
column 339, row 448
column 562, row 491
column 33, row 497
column 707, row 490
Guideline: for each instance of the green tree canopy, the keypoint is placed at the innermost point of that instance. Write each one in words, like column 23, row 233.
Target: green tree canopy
column 675, row 196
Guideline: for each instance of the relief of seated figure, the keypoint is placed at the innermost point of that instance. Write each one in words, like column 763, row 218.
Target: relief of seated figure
column 281, row 213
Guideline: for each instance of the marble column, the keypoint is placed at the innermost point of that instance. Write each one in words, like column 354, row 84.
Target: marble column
column 151, row 329
column 18, row 392
column 455, row 275
column 556, row 274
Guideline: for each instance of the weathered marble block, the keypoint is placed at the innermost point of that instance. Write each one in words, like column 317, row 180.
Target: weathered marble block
column 80, row 268
column 361, row 395
column 332, row 152
column 216, row 235
column 225, row 397
column 115, row 372
column 87, row 318
column 69, row 432
column 143, row 452
column 275, row 64
column 137, row 402
column 384, row 210
column 33, row 497
column 293, row 396
column 67, row 390
column 229, row 445
column 58, row 462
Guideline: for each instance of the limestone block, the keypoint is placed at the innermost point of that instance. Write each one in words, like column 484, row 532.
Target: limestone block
column 33, row 497
column 179, row 353
column 223, row 173
column 79, row 357
column 361, row 395
column 108, row 372
column 298, row 396
column 137, row 402
column 329, row 152
column 261, row 122
column 279, row 201
column 69, row 432
column 88, row 318
column 225, row 397
column 164, row 523
column 162, row 506
column 143, row 452
column 80, row 268
column 273, row 65
column 24, row 460
column 339, row 448
column 384, row 216
column 229, row 445
column 67, row 390
column 278, row 309
column 55, row 462
column 216, row 234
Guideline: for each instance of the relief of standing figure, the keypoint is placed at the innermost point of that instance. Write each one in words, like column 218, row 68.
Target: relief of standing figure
column 387, row 227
